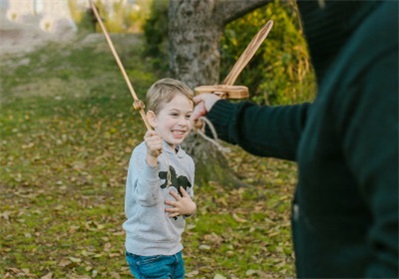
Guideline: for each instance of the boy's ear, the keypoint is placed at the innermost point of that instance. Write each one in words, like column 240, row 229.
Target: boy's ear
column 152, row 118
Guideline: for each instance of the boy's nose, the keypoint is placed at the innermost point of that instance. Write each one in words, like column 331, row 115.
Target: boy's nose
column 183, row 121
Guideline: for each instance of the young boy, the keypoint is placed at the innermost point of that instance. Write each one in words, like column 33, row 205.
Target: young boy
column 160, row 184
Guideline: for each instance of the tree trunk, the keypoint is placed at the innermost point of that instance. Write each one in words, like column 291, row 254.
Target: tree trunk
column 195, row 29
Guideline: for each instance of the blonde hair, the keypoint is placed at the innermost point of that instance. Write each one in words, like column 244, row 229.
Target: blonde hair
column 163, row 91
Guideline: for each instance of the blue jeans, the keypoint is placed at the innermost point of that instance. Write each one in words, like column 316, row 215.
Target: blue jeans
column 156, row 267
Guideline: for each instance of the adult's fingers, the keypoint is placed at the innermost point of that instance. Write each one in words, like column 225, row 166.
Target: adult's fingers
column 198, row 98
column 199, row 110
column 208, row 99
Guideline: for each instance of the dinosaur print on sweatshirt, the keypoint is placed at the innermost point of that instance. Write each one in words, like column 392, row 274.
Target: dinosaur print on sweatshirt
column 176, row 181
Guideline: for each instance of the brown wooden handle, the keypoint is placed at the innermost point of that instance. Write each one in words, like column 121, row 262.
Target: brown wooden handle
column 224, row 91
column 227, row 90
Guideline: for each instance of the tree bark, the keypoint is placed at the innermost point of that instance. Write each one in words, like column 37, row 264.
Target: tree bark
column 195, row 29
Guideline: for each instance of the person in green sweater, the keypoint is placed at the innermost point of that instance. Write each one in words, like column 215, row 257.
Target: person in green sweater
column 345, row 207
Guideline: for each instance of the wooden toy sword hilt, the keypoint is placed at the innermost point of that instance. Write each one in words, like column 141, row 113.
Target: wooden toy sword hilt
column 227, row 90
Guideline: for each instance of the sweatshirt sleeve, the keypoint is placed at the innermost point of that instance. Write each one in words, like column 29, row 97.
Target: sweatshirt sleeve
column 144, row 179
column 260, row 130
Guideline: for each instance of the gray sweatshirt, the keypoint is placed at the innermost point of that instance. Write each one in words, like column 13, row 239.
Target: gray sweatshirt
column 149, row 229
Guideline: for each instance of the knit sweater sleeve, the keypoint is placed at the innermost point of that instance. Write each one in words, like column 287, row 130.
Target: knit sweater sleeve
column 260, row 130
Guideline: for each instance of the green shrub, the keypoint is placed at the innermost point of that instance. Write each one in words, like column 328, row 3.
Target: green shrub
column 156, row 34
column 280, row 72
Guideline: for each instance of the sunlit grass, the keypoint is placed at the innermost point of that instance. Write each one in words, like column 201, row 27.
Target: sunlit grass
column 67, row 132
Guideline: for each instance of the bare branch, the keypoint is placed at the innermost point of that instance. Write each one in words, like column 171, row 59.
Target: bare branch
column 229, row 10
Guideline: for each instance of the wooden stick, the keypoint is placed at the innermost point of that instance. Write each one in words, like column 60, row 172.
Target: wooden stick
column 138, row 105
column 248, row 53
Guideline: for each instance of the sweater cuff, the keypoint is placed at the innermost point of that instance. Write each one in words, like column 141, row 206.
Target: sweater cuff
column 221, row 116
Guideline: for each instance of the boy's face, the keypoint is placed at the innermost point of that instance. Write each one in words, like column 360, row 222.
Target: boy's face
column 172, row 123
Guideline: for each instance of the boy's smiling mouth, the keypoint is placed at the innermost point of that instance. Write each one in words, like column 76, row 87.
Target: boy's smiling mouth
column 178, row 133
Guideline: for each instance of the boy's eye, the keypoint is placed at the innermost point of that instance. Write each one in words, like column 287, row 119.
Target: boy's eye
column 174, row 114
column 188, row 116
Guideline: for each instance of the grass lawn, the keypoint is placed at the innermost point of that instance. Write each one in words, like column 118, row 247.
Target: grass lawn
column 67, row 131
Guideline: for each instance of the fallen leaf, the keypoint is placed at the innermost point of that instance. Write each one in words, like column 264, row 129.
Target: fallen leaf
column 47, row 276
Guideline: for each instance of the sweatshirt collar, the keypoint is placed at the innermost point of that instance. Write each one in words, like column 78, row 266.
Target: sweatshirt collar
column 179, row 152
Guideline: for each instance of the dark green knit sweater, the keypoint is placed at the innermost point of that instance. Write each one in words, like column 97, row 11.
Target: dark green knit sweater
column 345, row 211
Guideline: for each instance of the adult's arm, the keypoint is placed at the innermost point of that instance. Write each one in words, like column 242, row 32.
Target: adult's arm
column 260, row 130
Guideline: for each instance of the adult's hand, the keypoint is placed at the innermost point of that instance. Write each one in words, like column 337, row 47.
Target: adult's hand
column 203, row 104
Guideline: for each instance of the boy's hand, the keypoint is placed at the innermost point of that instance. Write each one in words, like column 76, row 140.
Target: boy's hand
column 182, row 206
column 154, row 147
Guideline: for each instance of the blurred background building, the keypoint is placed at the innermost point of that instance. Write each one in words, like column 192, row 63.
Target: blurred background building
column 55, row 15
